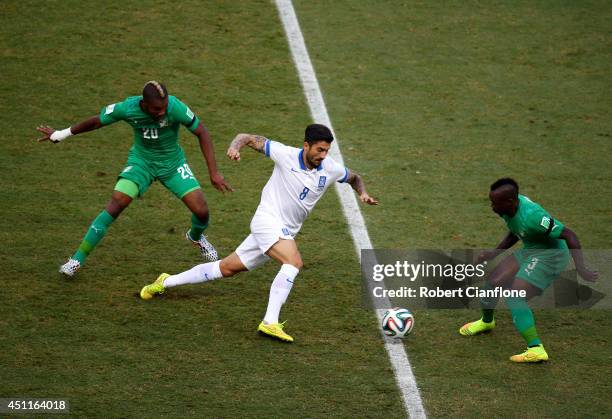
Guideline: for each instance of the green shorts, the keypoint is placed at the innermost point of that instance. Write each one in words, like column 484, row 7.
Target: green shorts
column 176, row 177
column 540, row 267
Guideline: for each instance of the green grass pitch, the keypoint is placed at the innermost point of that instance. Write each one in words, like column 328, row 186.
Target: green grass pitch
column 431, row 101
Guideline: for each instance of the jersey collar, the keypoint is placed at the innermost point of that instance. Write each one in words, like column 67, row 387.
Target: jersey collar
column 303, row 166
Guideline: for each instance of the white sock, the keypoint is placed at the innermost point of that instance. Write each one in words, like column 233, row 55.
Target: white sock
column 200, row 273
column 279, row 291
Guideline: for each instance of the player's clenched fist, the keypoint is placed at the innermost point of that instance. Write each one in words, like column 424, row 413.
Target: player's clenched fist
column 233, row 154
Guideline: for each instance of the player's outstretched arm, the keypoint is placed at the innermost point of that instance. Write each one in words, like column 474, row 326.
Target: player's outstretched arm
column 357, row 184
column 256, row 142
column 576, row 250
column 56, row 136
column 506, row 243
column 208, row 151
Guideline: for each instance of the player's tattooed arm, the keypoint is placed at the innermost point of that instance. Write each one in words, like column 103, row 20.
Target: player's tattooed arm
column 357, row 184
column 256, row 142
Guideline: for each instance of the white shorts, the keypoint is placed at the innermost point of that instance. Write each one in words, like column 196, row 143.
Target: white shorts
column 265, row 232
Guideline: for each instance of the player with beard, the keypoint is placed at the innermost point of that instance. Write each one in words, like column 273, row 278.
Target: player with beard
column 299, row 179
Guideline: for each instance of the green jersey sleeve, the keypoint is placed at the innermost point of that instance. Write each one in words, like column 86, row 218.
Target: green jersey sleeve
column 556, row 229
column 542, row 224
column 184, row 115
column 113, row 113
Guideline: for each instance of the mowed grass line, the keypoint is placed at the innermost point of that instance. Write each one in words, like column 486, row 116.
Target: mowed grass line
column 433, row 102
column 193, row 352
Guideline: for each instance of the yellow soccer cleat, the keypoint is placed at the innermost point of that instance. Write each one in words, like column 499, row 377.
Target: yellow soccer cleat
column 533, row 354
column 275, row 331
column 157, row 287
column 475, row 328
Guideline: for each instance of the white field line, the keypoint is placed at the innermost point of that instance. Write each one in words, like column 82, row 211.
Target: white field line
column 396, row 350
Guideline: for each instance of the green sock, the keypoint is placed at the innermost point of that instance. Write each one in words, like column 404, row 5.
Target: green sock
column 522, row 316
column 197, row 227
column 488, row 314
column 96, row 232
column 488, row 305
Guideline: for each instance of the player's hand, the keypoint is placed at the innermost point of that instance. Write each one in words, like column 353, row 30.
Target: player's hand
column 367, row 199
column 486, row 255
column 47, row 130
column 587, row 275
column 219, row 183
column 233, row 154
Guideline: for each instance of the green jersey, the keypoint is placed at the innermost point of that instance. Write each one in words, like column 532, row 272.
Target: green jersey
column 154, row 140
column 535, row 227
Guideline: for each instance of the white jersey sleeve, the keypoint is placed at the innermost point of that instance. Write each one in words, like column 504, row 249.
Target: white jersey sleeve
column 277, row 151
column 337, row 172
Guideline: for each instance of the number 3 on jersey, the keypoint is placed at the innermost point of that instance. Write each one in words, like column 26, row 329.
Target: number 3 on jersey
column 304, row 194
column 150, row 133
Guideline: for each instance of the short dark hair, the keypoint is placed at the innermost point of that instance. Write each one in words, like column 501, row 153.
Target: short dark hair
column 505, row 181
column 154, row 90
column 317, row 132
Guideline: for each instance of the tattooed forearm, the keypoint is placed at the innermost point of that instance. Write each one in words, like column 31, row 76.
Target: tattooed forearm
column 356, row 183
column 256, row 142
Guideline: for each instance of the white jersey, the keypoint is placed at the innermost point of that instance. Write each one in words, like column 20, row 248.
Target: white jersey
column 293, row 190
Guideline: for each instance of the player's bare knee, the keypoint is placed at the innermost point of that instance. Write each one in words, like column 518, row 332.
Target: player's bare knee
column 296, row 261
column 117, row 204
column 529, row 289
column 231, row 266
column 502, row 279
column 226, row 271
column 197, row 205
column 201, row 212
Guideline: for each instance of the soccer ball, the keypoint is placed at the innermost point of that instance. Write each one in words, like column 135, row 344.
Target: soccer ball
column 397, row 322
